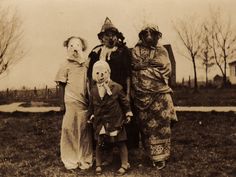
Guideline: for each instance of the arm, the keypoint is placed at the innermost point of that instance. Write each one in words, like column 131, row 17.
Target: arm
column 61, row 80
column 127, row 64
column 128, row 82
column 92, row 58
column 138, row 63
column 61, row 96
column 90, row 109
column 125, row 104
column 89, row 70
column 161, row 64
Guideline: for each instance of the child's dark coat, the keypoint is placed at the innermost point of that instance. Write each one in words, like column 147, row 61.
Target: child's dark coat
column 109, row 111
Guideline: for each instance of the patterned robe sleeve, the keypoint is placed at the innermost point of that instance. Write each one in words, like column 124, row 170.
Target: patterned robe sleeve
column 161, row 65
column 137, row 62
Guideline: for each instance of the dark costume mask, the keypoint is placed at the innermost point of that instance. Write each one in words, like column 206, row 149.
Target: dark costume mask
column 149, row 36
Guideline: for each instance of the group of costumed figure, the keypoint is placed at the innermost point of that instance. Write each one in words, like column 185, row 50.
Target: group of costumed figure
column 123, row 93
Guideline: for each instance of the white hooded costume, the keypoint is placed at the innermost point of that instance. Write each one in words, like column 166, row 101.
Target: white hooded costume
column 76, row 138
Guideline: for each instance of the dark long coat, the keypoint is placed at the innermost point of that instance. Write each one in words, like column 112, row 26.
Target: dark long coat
column 120, row 64
column 109, row 111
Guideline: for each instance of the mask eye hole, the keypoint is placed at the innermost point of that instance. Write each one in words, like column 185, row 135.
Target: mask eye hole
column 97, row 73
column 144, row 33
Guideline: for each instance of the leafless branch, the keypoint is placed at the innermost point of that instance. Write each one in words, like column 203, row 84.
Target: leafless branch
column 11, row 34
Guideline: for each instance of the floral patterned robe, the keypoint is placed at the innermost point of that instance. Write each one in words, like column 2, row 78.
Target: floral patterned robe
column 151, row 69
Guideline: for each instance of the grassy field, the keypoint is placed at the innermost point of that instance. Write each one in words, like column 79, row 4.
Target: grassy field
column 203, row 145
column 205, row 97
column 181, row 97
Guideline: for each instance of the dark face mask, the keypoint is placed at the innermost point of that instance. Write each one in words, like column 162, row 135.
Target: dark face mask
column 149, row 38
column 109, row 39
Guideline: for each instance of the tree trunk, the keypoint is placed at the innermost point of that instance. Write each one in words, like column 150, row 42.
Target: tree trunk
column 224, row 75
column 206, row 76
column 189, row 81
column 195, row 75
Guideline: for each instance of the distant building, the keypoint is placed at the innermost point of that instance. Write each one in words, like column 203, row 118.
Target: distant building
column 217, row 80
column 232, row 71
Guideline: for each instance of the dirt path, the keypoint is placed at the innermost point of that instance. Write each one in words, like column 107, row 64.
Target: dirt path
column 206, row 108
column 16, row 107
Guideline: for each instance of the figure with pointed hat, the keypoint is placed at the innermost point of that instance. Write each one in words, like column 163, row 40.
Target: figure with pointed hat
column 108, row 26
column 114, row 51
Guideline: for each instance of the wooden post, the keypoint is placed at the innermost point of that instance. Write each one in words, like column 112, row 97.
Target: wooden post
column 189, row 82
column 183, row 82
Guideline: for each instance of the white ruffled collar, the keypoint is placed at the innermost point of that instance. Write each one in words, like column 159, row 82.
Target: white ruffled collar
column 106, row 53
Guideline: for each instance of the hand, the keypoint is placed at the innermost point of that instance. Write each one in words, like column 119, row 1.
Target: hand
column 141, row 66
column 155, row 63
column 128, row 119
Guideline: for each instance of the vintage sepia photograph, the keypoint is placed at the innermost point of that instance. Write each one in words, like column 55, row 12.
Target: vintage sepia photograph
column 118, row 88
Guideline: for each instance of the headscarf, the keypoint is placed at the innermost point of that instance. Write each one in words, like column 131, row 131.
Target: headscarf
column 153, row 28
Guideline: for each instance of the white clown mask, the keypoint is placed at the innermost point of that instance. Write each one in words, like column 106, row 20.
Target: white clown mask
column 101, row 72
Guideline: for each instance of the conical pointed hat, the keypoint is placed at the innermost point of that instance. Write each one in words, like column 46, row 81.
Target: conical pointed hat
column 107, row 26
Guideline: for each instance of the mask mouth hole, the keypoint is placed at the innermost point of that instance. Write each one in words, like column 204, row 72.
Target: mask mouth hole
column 101, row 80
column 111, row 42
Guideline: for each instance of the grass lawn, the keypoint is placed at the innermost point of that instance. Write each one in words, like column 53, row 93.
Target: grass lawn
column 203, row 145
column 205, row 97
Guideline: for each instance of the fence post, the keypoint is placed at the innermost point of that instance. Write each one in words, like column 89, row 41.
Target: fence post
column 35, row 92
column 46, row 92
column 189, row 82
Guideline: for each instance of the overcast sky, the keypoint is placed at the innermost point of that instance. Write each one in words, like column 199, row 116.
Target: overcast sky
column 47, row 23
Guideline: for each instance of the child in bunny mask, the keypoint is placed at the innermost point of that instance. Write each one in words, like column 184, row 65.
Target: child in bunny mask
column 107, row 103
column 76, row 138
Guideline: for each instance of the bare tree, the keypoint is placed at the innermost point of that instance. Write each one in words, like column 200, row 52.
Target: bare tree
column 206, row 55
column 222, row 40
column 10, row 38
column 189, row 32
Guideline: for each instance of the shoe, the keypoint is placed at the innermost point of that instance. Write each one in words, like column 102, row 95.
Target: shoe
column 98, row 170
column 159, row 165
column 71, row 166
column 65, row 170
column 122, row 171
column 85, row 165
